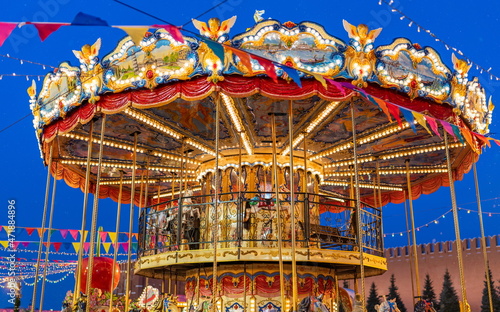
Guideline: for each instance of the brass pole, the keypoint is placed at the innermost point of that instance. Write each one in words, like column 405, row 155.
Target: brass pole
column 95, row 211
column 413, row 233
column 278, row 210
column 215, row 223
column 483, row 239
column 44, row 217
column 84, row 212
column 115, row 249
column 358, row 207
column 295, row 294
column 464, row 304
column 47, row 247
column 412, row 278
column 131, row 223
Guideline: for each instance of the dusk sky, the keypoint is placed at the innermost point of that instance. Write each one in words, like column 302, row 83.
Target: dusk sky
column 471, row 27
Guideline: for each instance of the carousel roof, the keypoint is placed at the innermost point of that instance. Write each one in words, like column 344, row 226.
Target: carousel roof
column 165, row 88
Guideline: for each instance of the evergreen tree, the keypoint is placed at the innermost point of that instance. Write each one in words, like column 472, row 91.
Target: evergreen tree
column 373, row 298
column 428, row 292
column 448, row 299
column 485, row 301
column 393, row 293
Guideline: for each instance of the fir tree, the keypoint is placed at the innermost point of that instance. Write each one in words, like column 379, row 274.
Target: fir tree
column 448, row 299
column 373, row 298
column 393, row 293
column 429, row 293
column 485, row 301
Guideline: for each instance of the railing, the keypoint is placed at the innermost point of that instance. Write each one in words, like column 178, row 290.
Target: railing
column 321, row 222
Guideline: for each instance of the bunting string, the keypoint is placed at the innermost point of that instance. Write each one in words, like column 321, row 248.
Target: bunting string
column 420, row 28
column 22, row 61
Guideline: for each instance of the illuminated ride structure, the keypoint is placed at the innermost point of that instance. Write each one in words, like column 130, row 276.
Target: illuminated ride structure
column 274, row 188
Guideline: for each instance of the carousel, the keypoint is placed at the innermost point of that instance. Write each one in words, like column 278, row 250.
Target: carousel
column 259, row 163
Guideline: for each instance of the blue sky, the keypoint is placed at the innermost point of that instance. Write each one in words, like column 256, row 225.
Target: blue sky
column 472, row 28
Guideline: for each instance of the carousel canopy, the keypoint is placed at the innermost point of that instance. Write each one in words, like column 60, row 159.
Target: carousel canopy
column 399, row 99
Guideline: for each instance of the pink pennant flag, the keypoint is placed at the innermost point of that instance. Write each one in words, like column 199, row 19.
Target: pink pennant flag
column 268, row 67
column 57, row 246
column 5, row 30
column 74, row 233
column 15, row 244
column 86, row 247
column 173, row 31
column 243, row 56
column 45, row 29
column 30, row 231
column 125, row 246
column 394, row 110
column 103, row 235
column 447, row 127
column 433, row 124
column 64, row 233
column 337, row 85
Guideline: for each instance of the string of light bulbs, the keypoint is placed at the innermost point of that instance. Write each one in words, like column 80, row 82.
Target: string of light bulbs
column 448, row 46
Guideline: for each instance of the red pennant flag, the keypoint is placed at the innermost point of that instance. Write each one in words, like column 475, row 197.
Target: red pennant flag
column 30, row 231
column 74, row 233
column 173, row 31
column 5, row 30
column 86, row 247
column 482, row 138
column 433, row 124
column 64, row 233
column 57, row 246
column 447, row 127
column 45, row 29
column 268, row 67
column 394, row 110
column 103, row 235
column 243, row 56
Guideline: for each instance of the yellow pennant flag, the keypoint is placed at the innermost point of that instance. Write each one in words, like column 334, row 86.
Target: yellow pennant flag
column 112, row 236
column 421, row 121
column 4, row 243
column 106, row 246
column 76, row 246
column 321, row 79
column 8, row 230
column 136, row 33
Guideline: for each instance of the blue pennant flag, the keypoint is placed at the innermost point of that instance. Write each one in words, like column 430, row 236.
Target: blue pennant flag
column 456, row 130
column 292, row 73
column 82, row 19
column 216, row 47
column 409, row 117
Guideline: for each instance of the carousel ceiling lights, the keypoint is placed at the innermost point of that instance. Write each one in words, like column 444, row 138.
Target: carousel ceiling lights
column 236, row 120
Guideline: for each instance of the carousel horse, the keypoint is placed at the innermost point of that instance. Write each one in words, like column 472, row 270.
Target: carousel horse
column 424, row 305
column 312, row 304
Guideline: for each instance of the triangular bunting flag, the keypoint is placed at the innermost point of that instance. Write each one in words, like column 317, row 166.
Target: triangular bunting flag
column 1, row 227
column 410, row 119
column 482, row 138
column 381, row 103
column 136, row 33
column 495, row 140
column 30, row 231
column 394, row 110
column 66, row 245
column 45, row 29
column 106, row 246
column 319, row 78
column 4, row 243
column 243, row 56
column 468, row 137
column 85, row 234
column 268, row 67
column 40, row 232
column 421, row 121
column 457, row 132
column 8, row 230
column 74, row 233
column 337, row 85
column 5, row 30
column 173, row 31
column 25, row 244
column 433, row 124
column 124, row 246
column 103, row 235
column 216, row 47
column 86, row 247
column 82, row 19
column 292, row 73
column 112, row 236
column 134, row 247
column 64, row 233
column 15, row 244
column 76, row 246
column 447, row 127
column 57, row 246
